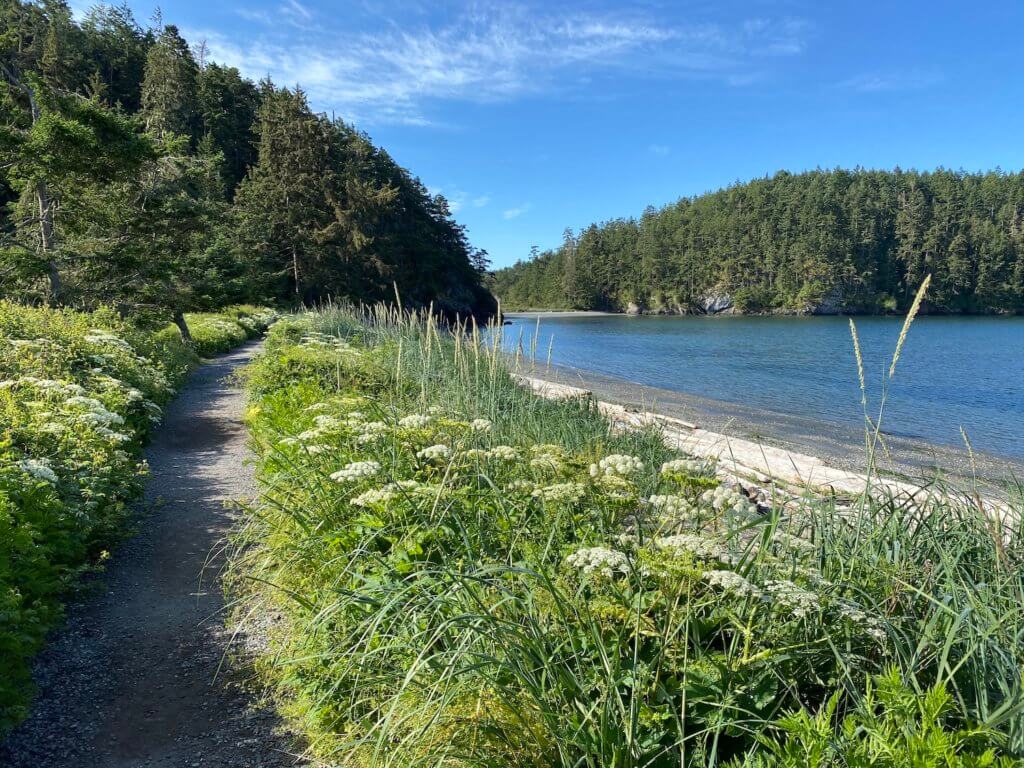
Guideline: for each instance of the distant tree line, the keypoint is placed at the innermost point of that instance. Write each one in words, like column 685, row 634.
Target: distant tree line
column 135, row 172
column 823, row 241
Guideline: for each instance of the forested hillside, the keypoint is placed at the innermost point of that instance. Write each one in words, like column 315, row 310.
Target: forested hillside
column 135, row 172
column 824, row 241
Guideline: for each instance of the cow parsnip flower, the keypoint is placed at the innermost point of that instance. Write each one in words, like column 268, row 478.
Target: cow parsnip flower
column 357, row 470
column 599, row 560
column 617, row 464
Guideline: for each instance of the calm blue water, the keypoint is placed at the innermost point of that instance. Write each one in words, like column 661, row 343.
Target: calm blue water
column 954, row 371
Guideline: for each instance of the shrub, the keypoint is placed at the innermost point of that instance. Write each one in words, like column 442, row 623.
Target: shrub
column 79, row 393
column 213, row 333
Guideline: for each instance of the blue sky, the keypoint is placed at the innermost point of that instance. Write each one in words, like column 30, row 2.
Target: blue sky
column 534, row 116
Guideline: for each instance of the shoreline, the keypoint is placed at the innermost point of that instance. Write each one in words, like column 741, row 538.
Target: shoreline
column 529, row 314
column 827, row 445
column 535, row 313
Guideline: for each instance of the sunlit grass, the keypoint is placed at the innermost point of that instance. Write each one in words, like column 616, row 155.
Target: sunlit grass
column 509, row 599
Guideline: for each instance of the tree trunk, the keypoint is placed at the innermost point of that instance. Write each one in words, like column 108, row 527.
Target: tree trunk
column 295, row 270
column 186, row 334
column 47, row 243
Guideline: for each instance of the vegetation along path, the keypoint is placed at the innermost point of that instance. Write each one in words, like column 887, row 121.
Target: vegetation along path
column 136, row 677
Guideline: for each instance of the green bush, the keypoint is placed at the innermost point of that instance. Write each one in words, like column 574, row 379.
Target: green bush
column 213, row 333
column 893, row 726
column 79, row 393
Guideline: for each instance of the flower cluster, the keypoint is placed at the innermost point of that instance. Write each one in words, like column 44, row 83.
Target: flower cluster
column 357, row 470
column 374, row 497
column 562, row 493
column 414, row 421
column 787, row 595
column 731, row 583
column 691, row 544
column 687, row 468
column 480, row 425
column 618, row 465
column 729, row 501
column 599, row 560
column 503, row 453
column 671, row 508
column 40, row 469
column 438, row 453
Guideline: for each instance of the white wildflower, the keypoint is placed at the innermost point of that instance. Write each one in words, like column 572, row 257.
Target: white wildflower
column 688, row 467
column 732, row 583
column 503, row 453
column 674, row 507
column 692, row 544
column 357, row 470
column 729, row 501
column 785, row 594
column 414, row 421
column 480, row 425
column 520, row 486
column 369, row 431
column 563, row 493
column 617, row 464
column 434, row 453
column 110, row 434
column 600, row 560
column 373, row 497
column 39, row 469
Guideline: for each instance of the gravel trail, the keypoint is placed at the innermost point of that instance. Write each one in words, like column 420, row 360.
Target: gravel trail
column 137, row 676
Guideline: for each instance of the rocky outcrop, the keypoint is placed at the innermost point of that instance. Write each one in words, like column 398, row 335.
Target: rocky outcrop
column 715, row 302
column 634, row 309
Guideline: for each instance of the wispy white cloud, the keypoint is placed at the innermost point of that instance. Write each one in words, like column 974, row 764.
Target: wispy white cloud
column 488, row 52
column 658, row 149
column 515, row 213
column 458, row 200
column 255, row 15
column 877, row 82
column 297, row 9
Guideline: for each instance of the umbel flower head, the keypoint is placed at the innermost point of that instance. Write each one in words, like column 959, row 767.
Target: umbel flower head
column 600, row 560
column 617, row 464
column 434, row 453
column 729, row 501
column 357, row 470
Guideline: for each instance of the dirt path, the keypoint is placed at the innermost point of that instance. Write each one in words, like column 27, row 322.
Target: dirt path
column 132, row 680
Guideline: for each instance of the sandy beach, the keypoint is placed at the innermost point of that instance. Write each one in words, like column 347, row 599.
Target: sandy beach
column 836, row 445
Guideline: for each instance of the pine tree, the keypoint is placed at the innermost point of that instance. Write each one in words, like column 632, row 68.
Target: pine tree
column 281, row 205
column 169, row 103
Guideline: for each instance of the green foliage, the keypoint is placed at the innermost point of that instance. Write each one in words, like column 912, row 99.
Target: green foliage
column 824, row 241
column 79, row 393
column 466, row 574
column 224, row 330
column 892, row 727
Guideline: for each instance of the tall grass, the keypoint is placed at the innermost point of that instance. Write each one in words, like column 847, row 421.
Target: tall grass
column 512, row 601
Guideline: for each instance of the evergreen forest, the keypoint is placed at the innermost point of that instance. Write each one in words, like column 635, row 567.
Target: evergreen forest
column 856, row 241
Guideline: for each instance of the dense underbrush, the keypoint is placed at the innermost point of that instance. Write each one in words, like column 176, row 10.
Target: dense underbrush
column 79, row 393
column 444, row 569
